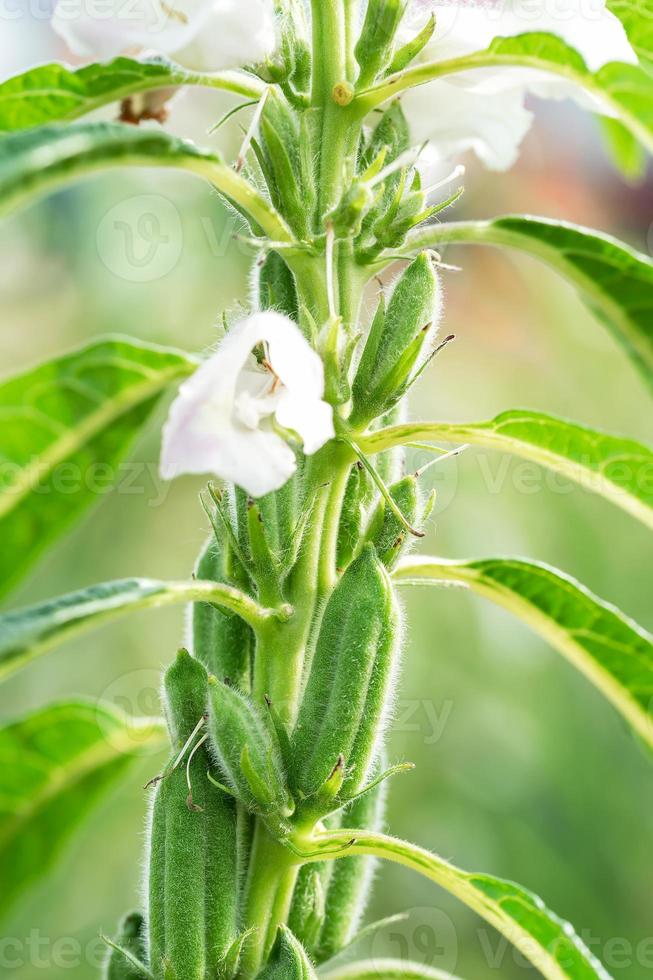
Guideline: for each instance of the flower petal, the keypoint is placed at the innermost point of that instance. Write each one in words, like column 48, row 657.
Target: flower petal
column 206, row 35
column 221, row 421
column 455, row 120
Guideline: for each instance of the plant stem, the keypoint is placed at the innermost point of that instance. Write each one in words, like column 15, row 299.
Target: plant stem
column 271, row 880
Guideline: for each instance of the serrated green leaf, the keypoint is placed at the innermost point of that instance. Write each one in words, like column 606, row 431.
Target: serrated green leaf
column 66, row 425
column 547, row 941
column 624, row 91
column 617, row 468
column 55, row 765
column 637, row 18
column 55, row 92
column 27, row 633
column 613, row 279
column 613, row 652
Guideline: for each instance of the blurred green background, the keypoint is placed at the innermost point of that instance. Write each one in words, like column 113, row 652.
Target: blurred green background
column 522, row 769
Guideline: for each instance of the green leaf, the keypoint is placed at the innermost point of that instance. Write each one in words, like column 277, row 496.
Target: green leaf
column 548, row 942
column 624, row 91
column 614, row 280
column 55, row 765
column 385, row 969
column 616, row 468
column 66, row 426
column 54, row 92
column 623, row 149
column 38, row 161
column 609, row 648
column 637, row 18
column 28, row 633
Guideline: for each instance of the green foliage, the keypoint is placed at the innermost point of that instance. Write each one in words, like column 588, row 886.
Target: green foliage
column 56, row 764
column 624, row 89
column 129, row 950
column 637, row 18
column 387, row 533
column 609, row 648
column 55, row 93
column 42, row 160
column 347, row 691
column 289, row 960
column 28, row 633
column 276, row 287
column 375, row 44
column 248, row 752
column 350, row 883
column 193, row 877
column 67, row 426
column 396, row 341
column 614, row 467
column 221, row 640
column 614, row 280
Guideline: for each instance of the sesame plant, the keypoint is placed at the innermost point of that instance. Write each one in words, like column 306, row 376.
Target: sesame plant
column 264, row 820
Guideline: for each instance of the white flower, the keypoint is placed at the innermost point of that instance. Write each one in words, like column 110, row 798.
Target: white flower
column 484, row 110
column 205, row 35
column 222, row 421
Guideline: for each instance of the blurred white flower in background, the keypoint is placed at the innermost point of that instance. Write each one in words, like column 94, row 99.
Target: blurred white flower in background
column 223, row 420
column 483, row 110
column 205, row 35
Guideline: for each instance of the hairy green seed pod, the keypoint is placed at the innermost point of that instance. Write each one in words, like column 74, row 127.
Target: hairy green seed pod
column 131, row 939
column 307, row 912
column 193, row 877
column 352, row 515
column 221, row 640
column 348, row 688
column 374, row 48
column 276, row 287
column 347, row 218
column 248, row 751
column 388, row 359
column 289, row 960
column 351, row 878
column 386, row 532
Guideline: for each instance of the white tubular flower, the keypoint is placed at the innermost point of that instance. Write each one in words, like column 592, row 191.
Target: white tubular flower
column 484, row 110
column 222, row 421
column 204, row 35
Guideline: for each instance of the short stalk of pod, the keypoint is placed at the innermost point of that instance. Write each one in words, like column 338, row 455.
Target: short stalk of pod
column 130, row 949
column 193, row 864
column 351, row 878
column 221, row 640
column 248, row 752
column 289, row 960
column 344, row 705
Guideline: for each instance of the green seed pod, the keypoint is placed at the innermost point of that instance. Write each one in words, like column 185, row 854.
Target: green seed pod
column 388, row 360
column 276, row 287
column 349, row 683
column 374, row 48
column 306, row 917
column 221, row 640
column 289, row 960
column 131, row 939
column 347, row 218
column 248, row 752
column 386, row 532
column 352, row 515
column 280, row 146
column 351, row 879
column 193, row 877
